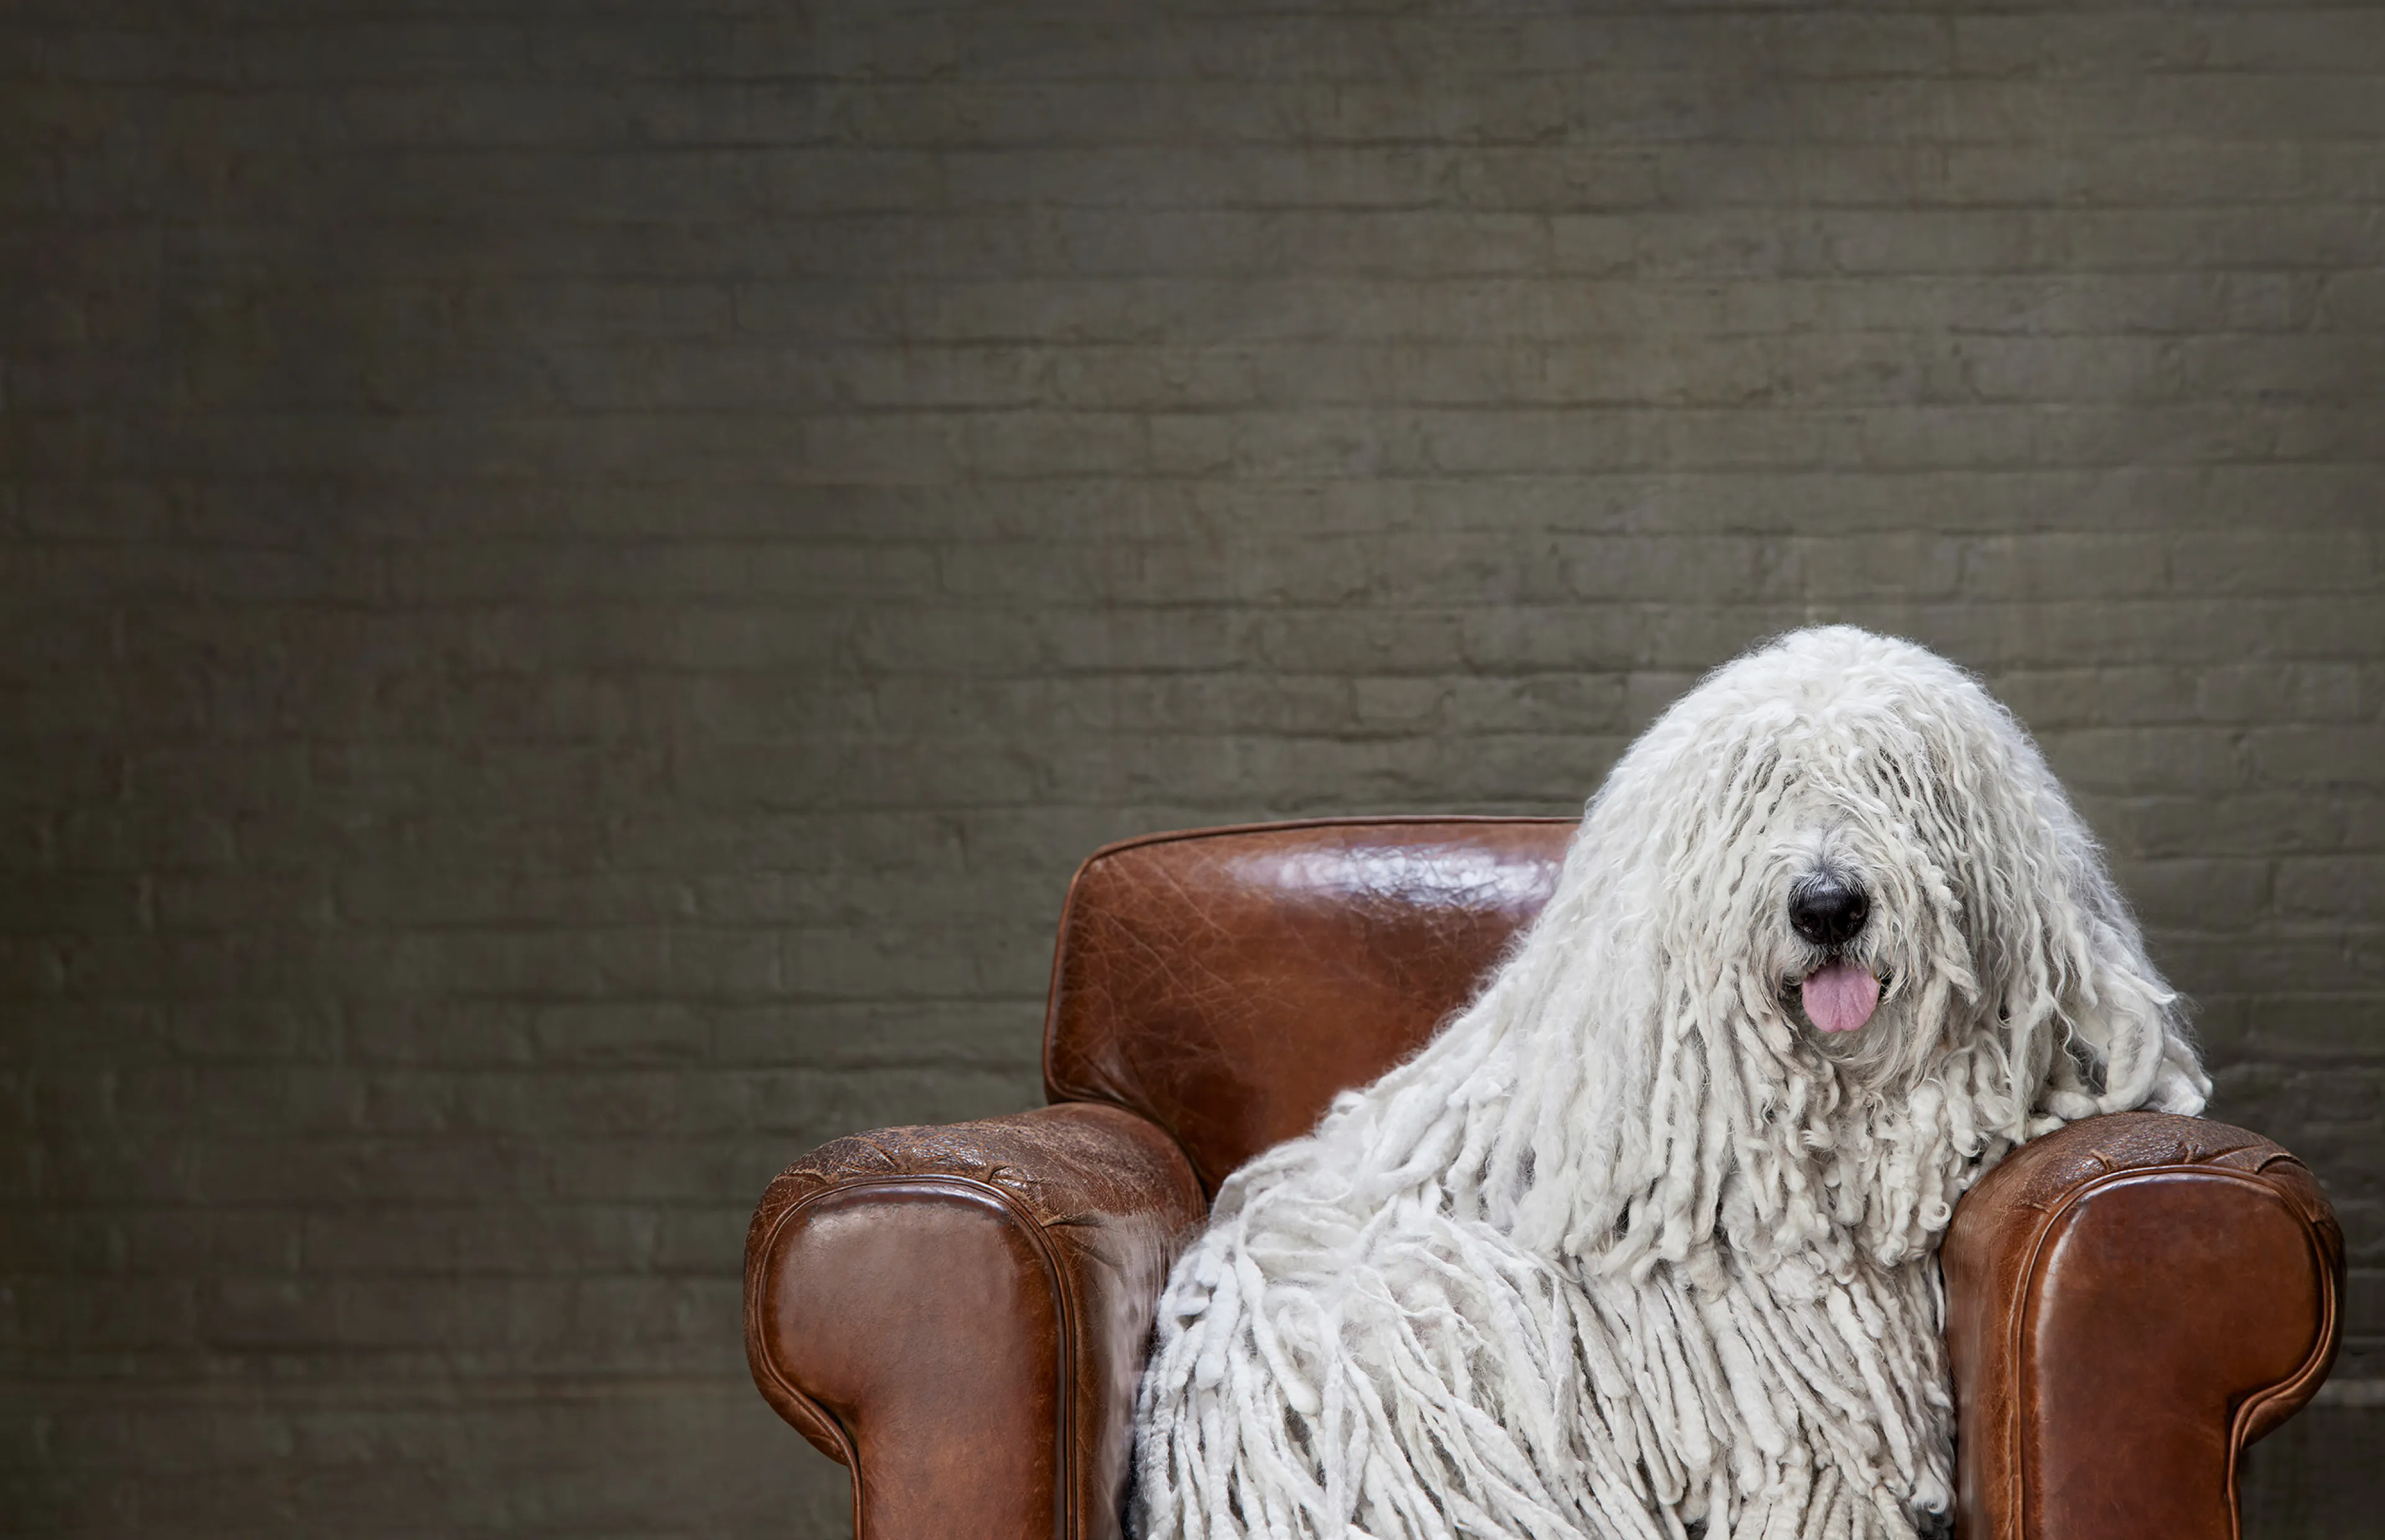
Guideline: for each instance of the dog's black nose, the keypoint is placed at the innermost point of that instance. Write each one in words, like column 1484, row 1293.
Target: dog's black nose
column 1828, row 911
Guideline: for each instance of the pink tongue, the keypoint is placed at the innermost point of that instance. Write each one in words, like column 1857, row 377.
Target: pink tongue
column 1841, row 996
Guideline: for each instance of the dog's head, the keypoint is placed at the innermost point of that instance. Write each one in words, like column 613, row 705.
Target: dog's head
column 1877, row 857
column 1831, row 910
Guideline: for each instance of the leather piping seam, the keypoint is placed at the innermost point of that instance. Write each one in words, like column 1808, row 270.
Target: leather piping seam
column 1333, row 821
column 2018, row 1489
column 1056, row 1089
column 2297, row 1384
column 850, row 1458
column 1063, row 1306
column 769, row 1363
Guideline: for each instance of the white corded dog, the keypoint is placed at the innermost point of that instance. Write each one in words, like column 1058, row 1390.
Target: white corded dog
column 1643, row 1243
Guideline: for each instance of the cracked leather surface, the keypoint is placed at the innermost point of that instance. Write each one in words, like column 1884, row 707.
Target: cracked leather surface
column 1227, row 985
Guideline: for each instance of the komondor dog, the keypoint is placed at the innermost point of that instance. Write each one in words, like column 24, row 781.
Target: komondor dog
column 1643, row 1242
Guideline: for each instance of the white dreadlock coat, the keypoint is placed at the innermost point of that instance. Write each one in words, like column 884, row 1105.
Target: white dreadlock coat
column 1633, row 1248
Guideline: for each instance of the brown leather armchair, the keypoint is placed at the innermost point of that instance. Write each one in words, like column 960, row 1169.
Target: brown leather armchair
column 959, row 1314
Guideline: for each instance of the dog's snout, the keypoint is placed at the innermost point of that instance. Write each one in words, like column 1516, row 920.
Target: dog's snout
column 1827, row 910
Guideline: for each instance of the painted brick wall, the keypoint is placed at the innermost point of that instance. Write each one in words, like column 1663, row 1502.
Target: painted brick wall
column 574, row 577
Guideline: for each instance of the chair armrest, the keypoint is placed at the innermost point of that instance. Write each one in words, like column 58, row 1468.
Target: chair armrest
column 960, row 1314
column 2130, row 1301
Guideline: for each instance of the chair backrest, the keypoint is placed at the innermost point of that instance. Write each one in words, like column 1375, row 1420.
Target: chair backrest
column 1227, row 983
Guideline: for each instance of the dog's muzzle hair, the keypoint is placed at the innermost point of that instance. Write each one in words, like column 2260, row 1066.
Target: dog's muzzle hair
column 1643, row 1242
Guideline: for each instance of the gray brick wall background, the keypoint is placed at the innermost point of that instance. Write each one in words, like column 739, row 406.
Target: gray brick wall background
column 575, row 577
